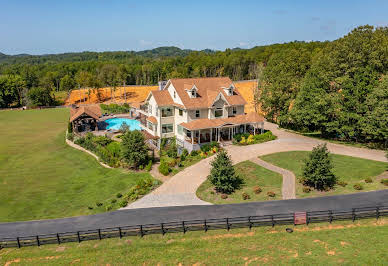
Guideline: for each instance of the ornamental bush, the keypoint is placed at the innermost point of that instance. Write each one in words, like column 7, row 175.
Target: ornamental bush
column 368, row 180
column 317, row 169
column 164, row 169
column 257, row 190
column 271, row 194
column 342, row 183
column 222, row 174
column 245, row 196
column 358, row 186
column 133, row 148
column 384, row 181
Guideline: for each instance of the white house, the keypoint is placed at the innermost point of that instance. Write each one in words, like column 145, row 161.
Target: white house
column 197, row 111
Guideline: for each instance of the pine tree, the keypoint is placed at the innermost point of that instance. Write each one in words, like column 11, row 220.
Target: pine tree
column 222, row 174
column 317, row 169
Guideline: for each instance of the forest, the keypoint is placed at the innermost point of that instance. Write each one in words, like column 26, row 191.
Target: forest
column 338, row 88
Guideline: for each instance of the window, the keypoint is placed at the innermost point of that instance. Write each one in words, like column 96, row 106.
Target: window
column 167, row 128
column 167, row 111
column 149, row 125
column 180, row 112
column 180, row 130
column 234, row 110
column 174, row 94
column 197, row 114
column 150, row 109
column 218, row 112
column 188, row 133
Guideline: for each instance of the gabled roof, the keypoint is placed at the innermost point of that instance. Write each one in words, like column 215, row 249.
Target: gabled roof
column 219, row 122
column 208, row 90
column 152, row 119
column 92, row 111
column 162, row 98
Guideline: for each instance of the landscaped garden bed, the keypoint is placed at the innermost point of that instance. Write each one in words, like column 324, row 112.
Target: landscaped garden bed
column 247, row 139
column 114, row 108
column 353, row 174
column 258, row 184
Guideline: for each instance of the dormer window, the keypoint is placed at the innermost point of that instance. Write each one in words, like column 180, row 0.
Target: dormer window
column 192, row 92
column 229, row 90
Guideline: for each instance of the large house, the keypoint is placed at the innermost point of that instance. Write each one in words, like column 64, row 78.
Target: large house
column 196, row 111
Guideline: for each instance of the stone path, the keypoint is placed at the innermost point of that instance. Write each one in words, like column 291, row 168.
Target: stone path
column 180, row 190
column 288, row 186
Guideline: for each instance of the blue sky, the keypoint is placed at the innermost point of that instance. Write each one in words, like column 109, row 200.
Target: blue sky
column 40, row 27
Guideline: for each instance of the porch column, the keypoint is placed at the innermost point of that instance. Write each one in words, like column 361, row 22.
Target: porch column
column 199, row 136
column 245, row 128
column 192, row 137
column 262, row 127
column 218, row 134
column 211, row 135
column 254, row 129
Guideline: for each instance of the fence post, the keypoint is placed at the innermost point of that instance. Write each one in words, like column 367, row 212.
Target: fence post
column 17, row 239
column 162, row 228
column 99, row 234
column 307, row 218
column 141, row 231
column 330, row 216
column 353, row 214
column 183, row 226
column 250, row 223
column 377, row 213
column 59, row 241
column 273, row 222
column 79, row 238
column 37, row 241
column 205, row 226
column 120, row 235
column 227, row 224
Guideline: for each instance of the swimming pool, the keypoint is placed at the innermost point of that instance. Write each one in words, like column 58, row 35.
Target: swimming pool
column 115, row 123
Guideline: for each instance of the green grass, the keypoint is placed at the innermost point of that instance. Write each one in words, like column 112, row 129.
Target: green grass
column 42, row 177
column 349, row 169
column 252, row 175
column 316, row 244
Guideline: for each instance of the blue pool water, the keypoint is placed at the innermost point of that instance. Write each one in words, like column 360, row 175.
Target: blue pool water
column 115, row 123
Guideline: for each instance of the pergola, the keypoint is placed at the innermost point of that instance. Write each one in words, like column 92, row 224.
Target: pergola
column 85, row 118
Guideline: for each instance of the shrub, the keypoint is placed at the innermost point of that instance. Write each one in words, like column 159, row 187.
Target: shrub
column 317, row 169
column 368, row 180
column 164, row 169
column 384, row 181
column 102, row 140
column 119, row 195
column 113, row 201
column 222, row 174
column 70, row 136
column 245, row 196
column 205, row 148
column 250, row 139
column 98, row 204
column 271, row 194
column 214, row 144
column 148, row 166
column 90, row 207
column 108, row 207
column 257, row 190
column 342, row 183
column 124, row 127
column 237, row 138
column 223, row 196
column 184, row 154
column 358, row 186
column 123, row 203
column 243, row 141
column 69, row 128
column 194, row 153
column 306, row 189
column 172, row 150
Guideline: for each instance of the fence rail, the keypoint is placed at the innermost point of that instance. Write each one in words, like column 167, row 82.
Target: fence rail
column 195, row 225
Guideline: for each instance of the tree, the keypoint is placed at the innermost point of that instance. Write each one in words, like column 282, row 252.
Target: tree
column 222, row 174
column 40, row 96
column 134, row 149
column 67, row 83
column 317, row 169
column 11, row 90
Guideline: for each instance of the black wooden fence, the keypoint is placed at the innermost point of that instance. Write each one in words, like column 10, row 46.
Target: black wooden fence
column 194, row 225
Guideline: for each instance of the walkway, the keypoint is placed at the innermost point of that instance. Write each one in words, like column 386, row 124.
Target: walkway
column 170, row 214
column 180, row 189
column 288, row 186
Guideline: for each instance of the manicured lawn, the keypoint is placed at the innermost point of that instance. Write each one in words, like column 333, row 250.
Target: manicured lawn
column 349, row 169
column 252, row 175
column 42, row 177
column 362, row 243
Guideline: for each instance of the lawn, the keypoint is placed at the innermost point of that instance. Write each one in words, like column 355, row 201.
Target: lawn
column 349, row 169
column 253, row 175
column 317, row 244
column 42, row 177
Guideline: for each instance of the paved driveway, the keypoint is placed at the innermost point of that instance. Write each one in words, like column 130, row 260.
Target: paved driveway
column 180, row 189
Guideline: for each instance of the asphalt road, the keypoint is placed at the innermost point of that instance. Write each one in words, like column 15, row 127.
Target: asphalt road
column 180, row 213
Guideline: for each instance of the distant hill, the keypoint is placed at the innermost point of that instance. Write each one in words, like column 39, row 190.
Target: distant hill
column 167, row 51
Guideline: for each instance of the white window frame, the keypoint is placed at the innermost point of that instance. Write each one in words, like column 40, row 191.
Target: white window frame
column 217, row 110
column 167, row 126
column 197, row 112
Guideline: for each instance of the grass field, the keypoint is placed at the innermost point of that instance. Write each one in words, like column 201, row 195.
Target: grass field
column 42, row 177
column 342, row 243
column 349, row 169
column 252, row 175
